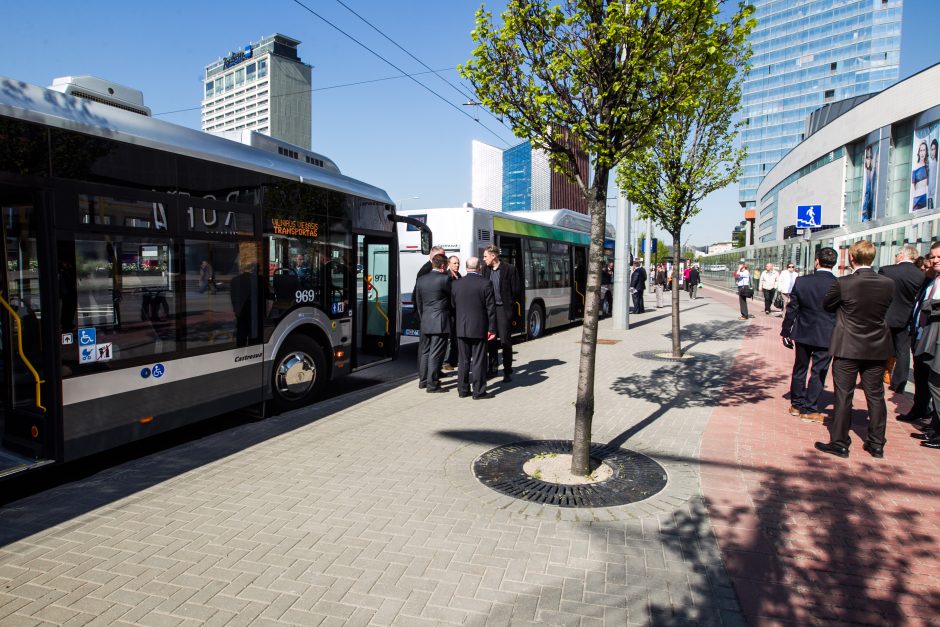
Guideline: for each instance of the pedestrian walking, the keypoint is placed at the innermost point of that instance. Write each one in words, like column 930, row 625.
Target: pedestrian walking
column 694, row 280
column 785, row 283
column 659, row 284
column 638, row 286
column 768, row 284
column 742, row 280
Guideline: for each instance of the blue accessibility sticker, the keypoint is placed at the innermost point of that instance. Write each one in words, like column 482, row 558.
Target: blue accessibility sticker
column 158, row 370
column 145, row 373
column 87, row 336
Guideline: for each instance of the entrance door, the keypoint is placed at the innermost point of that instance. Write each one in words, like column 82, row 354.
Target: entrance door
column 27, row 409
column 375, row 309
column 510, row 251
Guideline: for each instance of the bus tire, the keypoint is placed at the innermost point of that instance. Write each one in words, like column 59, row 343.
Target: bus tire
column 535, row 322
column 298, row 373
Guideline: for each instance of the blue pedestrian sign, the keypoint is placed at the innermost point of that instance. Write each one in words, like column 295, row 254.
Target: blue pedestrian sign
column 87, row 336
column 808, row 216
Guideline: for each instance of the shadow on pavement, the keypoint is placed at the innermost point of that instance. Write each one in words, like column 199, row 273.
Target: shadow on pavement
column 715, row 331
column 485, row 436
column 645, row 320
column 700, row 383
column 96, row 482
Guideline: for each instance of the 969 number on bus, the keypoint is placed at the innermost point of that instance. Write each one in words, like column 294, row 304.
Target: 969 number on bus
column 305, row 296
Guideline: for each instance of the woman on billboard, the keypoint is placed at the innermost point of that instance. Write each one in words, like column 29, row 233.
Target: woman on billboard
column 919, row 178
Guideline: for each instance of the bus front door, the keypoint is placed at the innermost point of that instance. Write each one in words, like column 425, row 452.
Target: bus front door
column 376, row 309
column 578, row 282
column 27, row 411
column 510, row 251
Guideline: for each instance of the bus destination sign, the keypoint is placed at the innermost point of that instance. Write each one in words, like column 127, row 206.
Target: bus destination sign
column 298, row 228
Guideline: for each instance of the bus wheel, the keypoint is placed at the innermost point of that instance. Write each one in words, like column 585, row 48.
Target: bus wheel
column 299, row 373
column 606, row 307
column 536, row 322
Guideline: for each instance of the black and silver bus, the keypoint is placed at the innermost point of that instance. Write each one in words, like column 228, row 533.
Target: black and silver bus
column 156, row 275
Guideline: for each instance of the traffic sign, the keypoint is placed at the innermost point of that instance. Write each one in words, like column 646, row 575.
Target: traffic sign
column 808, row 216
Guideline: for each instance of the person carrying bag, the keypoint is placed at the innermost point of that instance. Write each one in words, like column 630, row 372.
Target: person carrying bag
column 742, row 279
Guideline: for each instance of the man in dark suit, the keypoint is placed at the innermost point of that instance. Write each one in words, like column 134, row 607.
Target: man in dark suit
column 422, row 341
column 807, row 325
column 453, row 271
column 908, row 279
column 507, row 291
column 475, row 308
column 638, row 286
column 432, row 294
column 861, row 342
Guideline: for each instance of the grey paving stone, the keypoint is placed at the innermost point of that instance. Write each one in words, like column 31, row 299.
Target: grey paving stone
column 371, row 514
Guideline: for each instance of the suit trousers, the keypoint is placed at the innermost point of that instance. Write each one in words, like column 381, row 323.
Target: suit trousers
column 638, row 302
column 693, row 291
column 471, row 366
column 503, row 340
column 742, row 300
column 933, row 381
column 768, row 300
column 902, row 356
column 452, row 343
column 922, row 371
column 845, row 372
column 431, row 359
column 815, row 360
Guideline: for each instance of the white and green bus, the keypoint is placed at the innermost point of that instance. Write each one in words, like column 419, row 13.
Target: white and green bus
column 548, row 248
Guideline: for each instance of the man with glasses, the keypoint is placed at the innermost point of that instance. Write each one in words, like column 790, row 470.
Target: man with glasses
column 908, row 280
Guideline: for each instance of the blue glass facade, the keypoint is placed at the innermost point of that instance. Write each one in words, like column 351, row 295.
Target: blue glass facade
column 517, row 178
column 808, row 53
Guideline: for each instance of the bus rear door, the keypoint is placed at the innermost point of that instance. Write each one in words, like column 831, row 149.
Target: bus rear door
column 29, row 408
column 510, row 250
column 376, row 330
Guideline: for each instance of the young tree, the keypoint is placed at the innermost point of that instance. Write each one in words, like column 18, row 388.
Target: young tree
column 692, row 156
column 599, row 75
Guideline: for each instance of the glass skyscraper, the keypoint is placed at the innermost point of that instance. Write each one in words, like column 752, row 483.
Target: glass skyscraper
column 807, row 53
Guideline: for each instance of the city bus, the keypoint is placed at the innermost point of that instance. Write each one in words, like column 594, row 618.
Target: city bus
column 156, row 275
column 548, row 248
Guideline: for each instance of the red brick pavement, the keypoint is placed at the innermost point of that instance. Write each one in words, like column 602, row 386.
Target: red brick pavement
column 808, row 537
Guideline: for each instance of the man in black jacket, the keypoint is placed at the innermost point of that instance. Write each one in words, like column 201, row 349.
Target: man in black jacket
column 638, row 286
column 432, row 294
column 908, row 279
column 507, row 291
column 809, row 326
column 475, row 308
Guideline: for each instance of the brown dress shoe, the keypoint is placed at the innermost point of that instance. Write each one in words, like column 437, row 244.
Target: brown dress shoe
column 794, row 411
column 814, row 416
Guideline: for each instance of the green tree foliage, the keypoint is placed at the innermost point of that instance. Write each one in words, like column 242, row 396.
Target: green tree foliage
column 693, row 153
column 599, row 76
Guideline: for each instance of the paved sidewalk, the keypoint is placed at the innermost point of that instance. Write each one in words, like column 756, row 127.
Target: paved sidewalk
column 808, row 537
column 364, row 511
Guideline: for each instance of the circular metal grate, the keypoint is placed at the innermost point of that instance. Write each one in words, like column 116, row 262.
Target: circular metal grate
column 636, row 477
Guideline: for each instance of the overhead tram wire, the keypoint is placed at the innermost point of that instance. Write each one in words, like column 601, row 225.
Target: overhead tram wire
column 470, row 97
column 404, row 73
column 327, row 88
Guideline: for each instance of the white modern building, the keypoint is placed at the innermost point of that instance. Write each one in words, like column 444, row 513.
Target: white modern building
column 264, row 87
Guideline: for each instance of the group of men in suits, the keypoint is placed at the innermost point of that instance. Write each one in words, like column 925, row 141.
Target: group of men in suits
column 854, row 323
column 475, row 310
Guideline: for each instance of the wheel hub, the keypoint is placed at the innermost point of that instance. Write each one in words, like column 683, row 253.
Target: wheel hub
column 296, row 375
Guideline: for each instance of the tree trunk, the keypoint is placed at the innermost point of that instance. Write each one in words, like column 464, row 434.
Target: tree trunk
column 676, row 327
column 584, row 405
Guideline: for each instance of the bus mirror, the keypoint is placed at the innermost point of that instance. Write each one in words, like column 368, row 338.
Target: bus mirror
column 425, row 242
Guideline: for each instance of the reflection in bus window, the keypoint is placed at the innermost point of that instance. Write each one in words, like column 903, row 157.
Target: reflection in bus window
column 208, row 319
column 125, row 293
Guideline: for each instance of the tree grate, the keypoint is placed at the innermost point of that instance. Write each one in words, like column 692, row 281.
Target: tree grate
column 635, row 476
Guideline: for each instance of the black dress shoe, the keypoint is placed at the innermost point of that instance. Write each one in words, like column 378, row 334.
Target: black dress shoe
column 908, row 417
column 462, row 394
column 926, row 435
column 934, row 443
column 507, row 378
column 482, row 397
column 422, row 385
column 833, row 449
column 875, row 451
column 436, row 391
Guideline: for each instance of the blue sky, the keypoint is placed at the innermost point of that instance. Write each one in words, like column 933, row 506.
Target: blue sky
column 392, row 133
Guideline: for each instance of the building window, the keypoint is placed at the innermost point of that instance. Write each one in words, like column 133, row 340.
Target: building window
column 830, row 94
column 833, row 66
column 208, row 89
column 239, row 77
column 262, row 68
column 229, row 82
column 250, row 72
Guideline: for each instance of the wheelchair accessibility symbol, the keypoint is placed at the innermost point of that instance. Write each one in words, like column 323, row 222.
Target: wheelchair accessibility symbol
column 87, row 336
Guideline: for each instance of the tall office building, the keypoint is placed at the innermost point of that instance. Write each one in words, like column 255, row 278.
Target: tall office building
column 521, row 179
column 808, row 53
column 265, row 88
